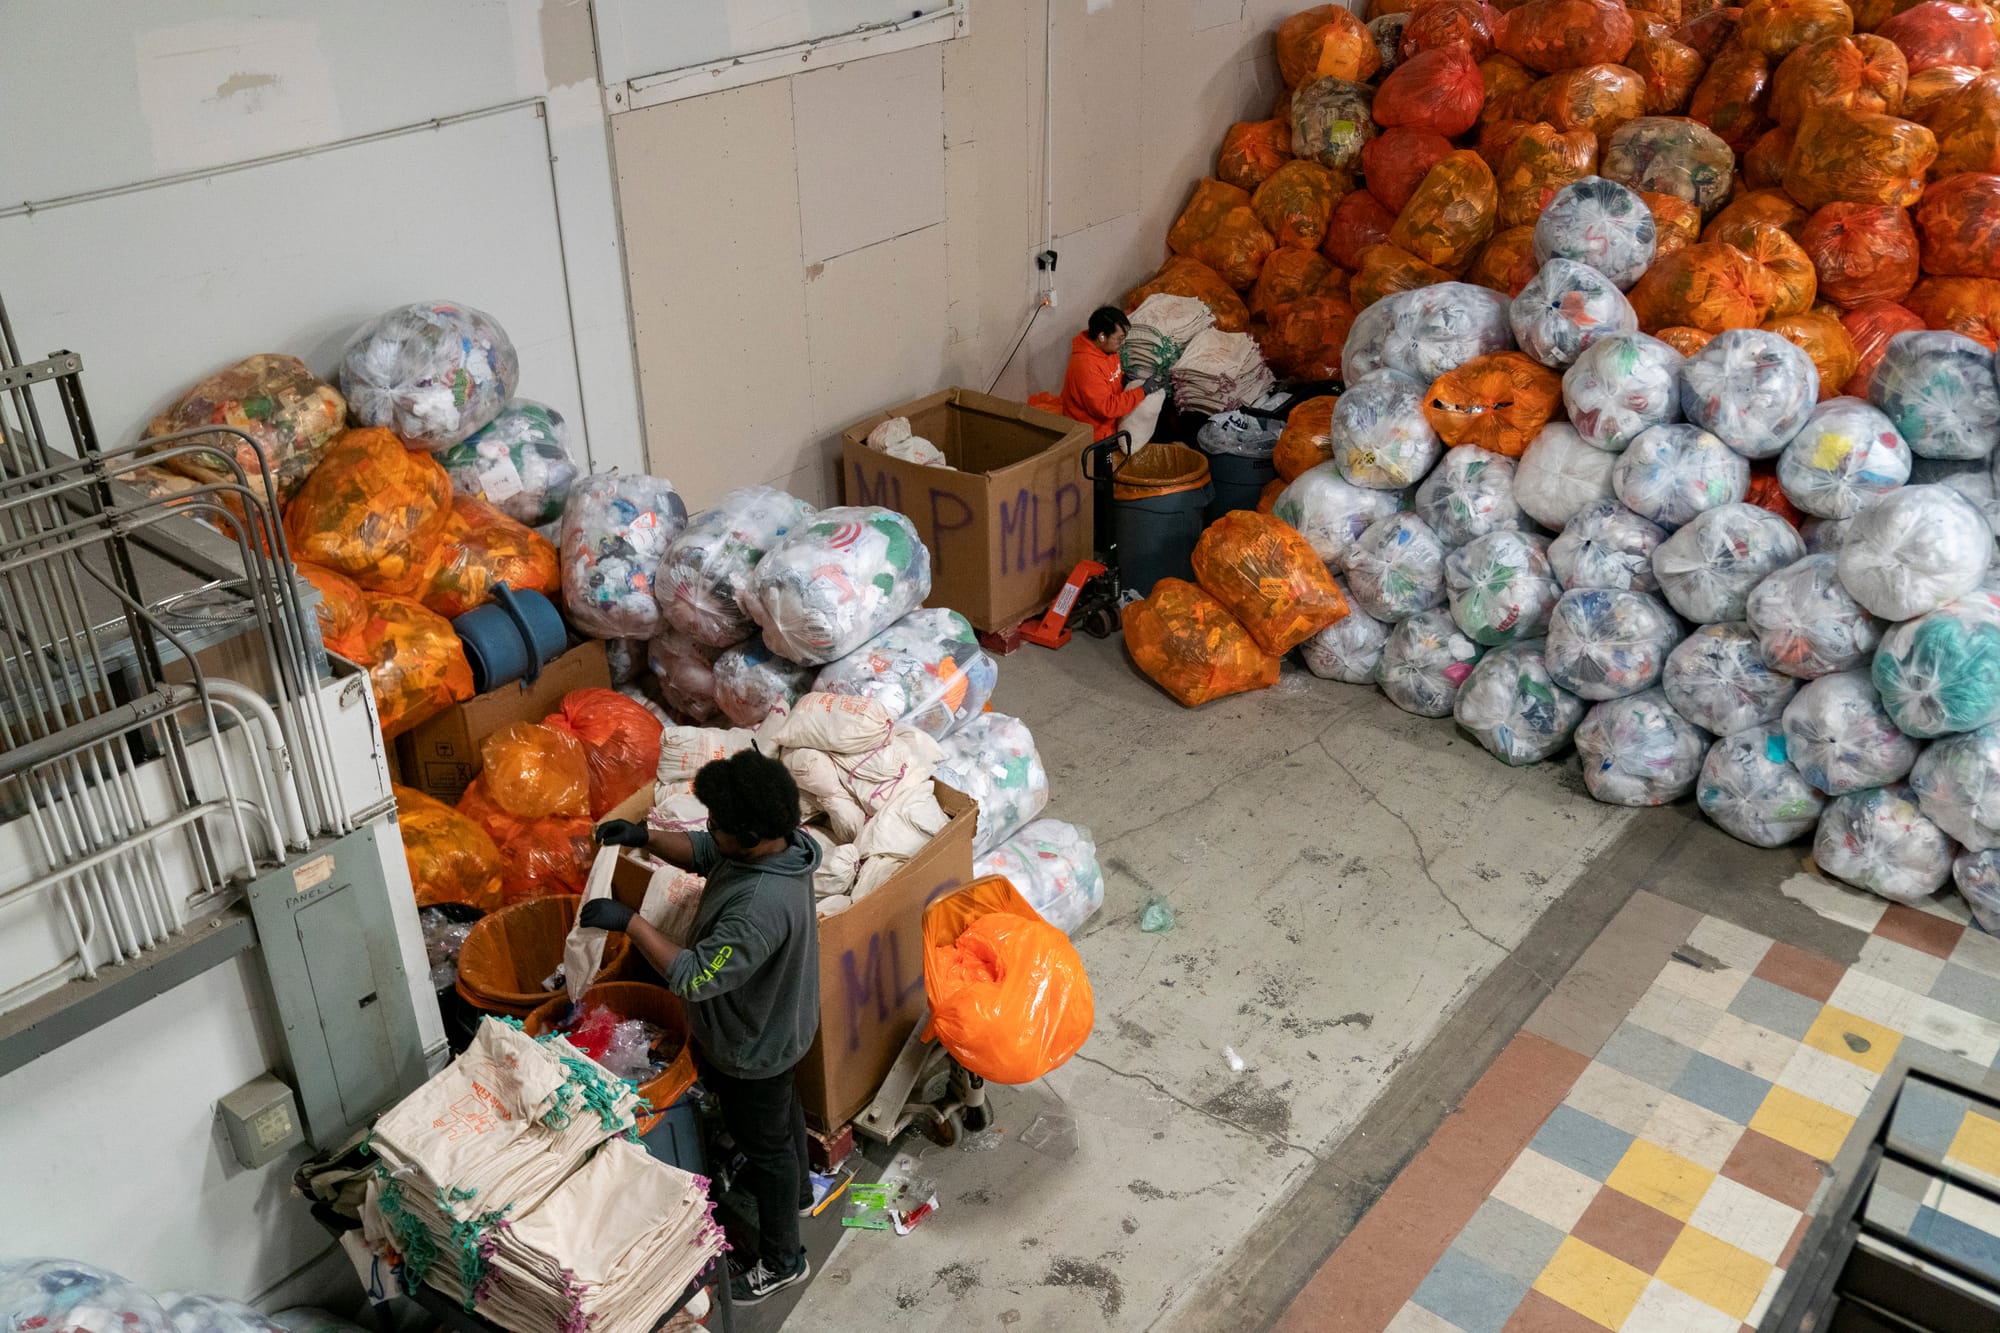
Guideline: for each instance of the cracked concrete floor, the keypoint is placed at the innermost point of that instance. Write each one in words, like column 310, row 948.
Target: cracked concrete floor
column 1342, row 874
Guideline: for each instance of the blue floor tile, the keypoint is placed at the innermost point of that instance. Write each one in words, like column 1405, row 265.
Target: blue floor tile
column 1581, row 1142
column 1724, row 1089
column 1477, row 1298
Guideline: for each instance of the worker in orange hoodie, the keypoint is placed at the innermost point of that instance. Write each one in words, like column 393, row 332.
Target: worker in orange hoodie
column 1093, row 389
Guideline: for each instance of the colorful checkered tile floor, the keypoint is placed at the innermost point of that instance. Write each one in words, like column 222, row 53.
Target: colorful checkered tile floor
column 1659, row 1175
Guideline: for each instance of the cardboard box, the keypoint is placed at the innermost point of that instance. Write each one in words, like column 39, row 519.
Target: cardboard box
column 441, row 757
column 1004, row 529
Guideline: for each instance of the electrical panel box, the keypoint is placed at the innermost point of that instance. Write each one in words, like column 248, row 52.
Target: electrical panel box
column 330, row 950
column 262, row 1118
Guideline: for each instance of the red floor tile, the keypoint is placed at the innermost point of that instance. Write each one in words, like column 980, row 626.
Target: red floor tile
column 1934, row 935
column 1626, row 1229
column 1804, row 973
column 1539, row 1314
column 1775, row 1169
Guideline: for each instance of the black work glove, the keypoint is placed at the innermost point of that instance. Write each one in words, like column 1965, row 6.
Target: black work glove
column 605, row 914
column 1157, row 381
column 620, row 833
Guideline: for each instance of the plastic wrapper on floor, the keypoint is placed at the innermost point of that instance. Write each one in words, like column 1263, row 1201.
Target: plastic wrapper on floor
column 1332, row 120
column 1879, row 840
column 1940, row 673
column 1396, row 569
column 1469, row 494
column 1620, row 385
column 1605, row 545
column 927, row 671
column 1269, row 577
column 614, row 532
column 1350, row 649
column 1842, row 739
column 1638, row 751
column 1512, row 707
column 371, row 510
column 1331, row 512
column 1606, row 644
column 1751, row 389
column 1845, row 457
column 518, row 462
column 1501, row 587
column 1560, row 475
column 1379, row 434
column 1957, row 782
column 1564, row 309
column 706, row 572
column 1672, row 474
column 1599, row 223
column 1807, row 623
column 1938, row 390
column 1425, row 661
column 837, row 581
column 752, row 682
column 1719, row 680
column 417, row 666
column 993, row 760
column 1668, row 155
column 1054, row 866
column 1914, row 550
column 1192, row 648
column 1752, row 792
column 1707, row 569
column 433, row 373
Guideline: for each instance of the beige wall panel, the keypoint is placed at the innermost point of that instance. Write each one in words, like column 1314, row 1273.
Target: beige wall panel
column 876, row 331
column 1098, row 265
column 870, row 150
column 1100, row 115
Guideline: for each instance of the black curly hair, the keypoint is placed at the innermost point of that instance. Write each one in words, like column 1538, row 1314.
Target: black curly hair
column 749, row 796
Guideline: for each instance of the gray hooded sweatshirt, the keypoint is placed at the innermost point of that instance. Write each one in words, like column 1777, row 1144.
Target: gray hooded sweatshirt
column 751, row 977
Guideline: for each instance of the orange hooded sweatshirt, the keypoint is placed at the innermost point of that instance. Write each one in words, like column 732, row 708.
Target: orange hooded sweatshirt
column 1092, row 391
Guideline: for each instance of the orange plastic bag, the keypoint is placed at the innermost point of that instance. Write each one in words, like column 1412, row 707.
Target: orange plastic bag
column 1326, row 42
column 1451, row 215
column 1181, row 276
column 1267, row 575
column 1709, row 285
column 1288, row 275
column 1296, row 202
column 1764, row 161
column 1497, row 136
column 1549, row 35
column 1871, row 325
column 481, row 546
column 1502, row 79
column 1008, row 994
column 371, row 510
column 1668, row 11
column 1670, row 70
column 1731, row 97
column 452, row 859
column 1967, row 126
column 1540, row 162
column 1772, row 206
column 1396, row 161
column 1507, row 262
column 1858, row 157
column 1432, row 90
column 1252, row 152
column 343, row 610
column 1220, row 229
column 1960, row 221
column 1926, row 92
column 1304, row 339
column 1498, row 401
column 1359, row 221
column 1862, row 73
column 1777, row 27
column 1940, row 33
column 1597, row 98
column 532, row 771
column 1307, row 440
column 1793, row 282
column 1825, row 339
column 1676, row 222
column 621, row 742
column 1206, row 208
column 1267, row 499
column 1465, row 24
column 1862, row 252
column 1710, row 31
column 1386, row 270
column 1766, row 493
column 1192, row 648
column 539, row 858
column 417, row 665
column 1683, row 339
column 1970, row 306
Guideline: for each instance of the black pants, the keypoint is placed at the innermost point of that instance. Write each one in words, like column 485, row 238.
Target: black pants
column 768, row 1122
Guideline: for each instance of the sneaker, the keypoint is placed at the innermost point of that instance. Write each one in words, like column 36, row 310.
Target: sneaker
column 757, row 1282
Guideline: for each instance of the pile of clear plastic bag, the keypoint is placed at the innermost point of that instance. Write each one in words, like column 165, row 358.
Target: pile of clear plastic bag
column 1718, row 680
column 1879, row 840
column 1621, row 385
column 1054, row 866
column 1957, row 782
column 1915, row 549
column 1840, row 736
column 1938, row 391
column 1350, row 649
column 1639, row 751
column 1269, row 577
column 274, row 400
column 684, row 670
column 1192, row 648
column 1670, row 155
column 1753, row 793
column 752, row 682
column 215, row 1314
column 371, row 510
column 1751, row 389
column 1606, row 545
column 1565, row 308
column 1977, row 875
column 1599, row 223
column 1607, row 644
column 63, row 1296
column 837, row 581
column 1845, row 456
column 927, row 670
column 1501, row 587
column 1427, row 332
column 993, row 760
column 1331, row 512
column 1514, row 708
column 519, row 463
column 431, row 372
column 1469, row 494
column 1239, row 434
column 1424, row 663
column 614, row 532
column 1396, row 569
column 1560, row 475
column 1807, row 623
column 452, row 860
column 1940, row 673
column 1380, row 437
column 1707, row 569
column 417, row 666
column 1670, row 474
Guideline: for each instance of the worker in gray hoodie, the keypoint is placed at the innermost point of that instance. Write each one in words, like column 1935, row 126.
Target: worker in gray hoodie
column 750, row 980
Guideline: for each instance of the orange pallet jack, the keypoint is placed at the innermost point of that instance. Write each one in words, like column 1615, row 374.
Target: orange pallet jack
column 1089, row 597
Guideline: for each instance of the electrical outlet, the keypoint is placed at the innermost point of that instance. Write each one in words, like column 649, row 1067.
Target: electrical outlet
column 262, row 1117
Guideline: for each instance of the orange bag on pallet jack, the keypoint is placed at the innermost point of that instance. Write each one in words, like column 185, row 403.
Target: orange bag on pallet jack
column 1192, row 647
column 1009, row 995
column 1269, row 578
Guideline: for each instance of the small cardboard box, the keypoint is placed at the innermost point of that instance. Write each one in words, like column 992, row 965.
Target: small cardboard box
column 441, row 757
column 1007, row 526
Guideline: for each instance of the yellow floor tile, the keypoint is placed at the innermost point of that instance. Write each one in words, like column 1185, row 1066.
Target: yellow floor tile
column 1814, row 1128
column 1591, row 1282
column 1715, row 1272
column 1977, row 1144
column 1667, row 1181
column 1832, row 1030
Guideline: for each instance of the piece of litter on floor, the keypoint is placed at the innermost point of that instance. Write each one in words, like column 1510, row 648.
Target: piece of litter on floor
column 986, row 1140
column 1186, row 855
column 1156, row 917
column 1052, row 1134
column 1236, row 1063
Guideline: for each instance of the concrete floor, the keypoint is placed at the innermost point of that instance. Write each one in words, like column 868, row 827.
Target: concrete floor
column 1343, row 876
